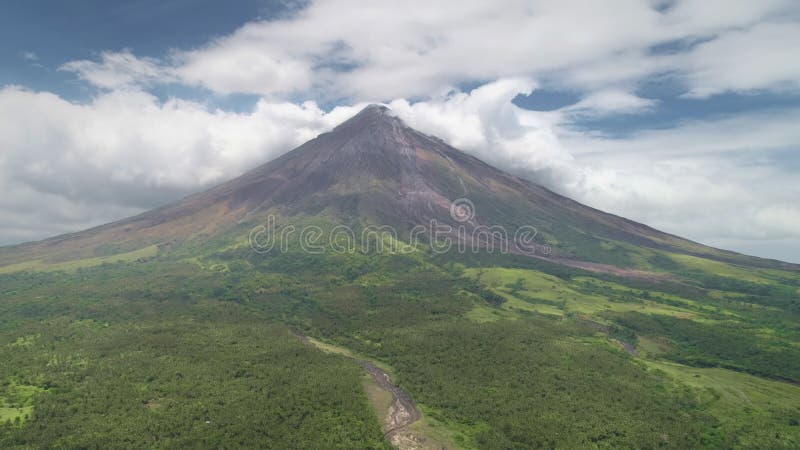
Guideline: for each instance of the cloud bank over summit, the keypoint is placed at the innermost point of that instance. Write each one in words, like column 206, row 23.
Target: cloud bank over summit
column 727, row 178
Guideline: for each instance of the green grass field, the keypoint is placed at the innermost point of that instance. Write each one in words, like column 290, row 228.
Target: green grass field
column 529, row 290
column 42, row 266
column 16, row 402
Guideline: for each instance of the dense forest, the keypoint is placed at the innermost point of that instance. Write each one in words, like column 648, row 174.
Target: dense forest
column 196, row 352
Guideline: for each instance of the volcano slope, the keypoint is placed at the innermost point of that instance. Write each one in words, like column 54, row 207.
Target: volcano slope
column 588, row 330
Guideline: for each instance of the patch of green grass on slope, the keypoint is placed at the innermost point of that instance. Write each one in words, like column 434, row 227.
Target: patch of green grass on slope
column 759, row 413
column 43, row 266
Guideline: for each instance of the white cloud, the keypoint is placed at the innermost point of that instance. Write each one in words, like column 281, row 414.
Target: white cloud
column 485, row 123
column 610, row 101
column 120, row 69
column 737, row 133
column 761, row 57
column 65, row 165
column 414, row 48
column 707, row 180
column 28, row 214
column 711, row 16
column 252, row 60
column 130, row 138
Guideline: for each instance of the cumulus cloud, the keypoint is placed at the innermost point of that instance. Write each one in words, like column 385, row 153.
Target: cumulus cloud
column 386, row 49
column 487, row 124
column 130, row 138
column 125, row 151
column 254, row 60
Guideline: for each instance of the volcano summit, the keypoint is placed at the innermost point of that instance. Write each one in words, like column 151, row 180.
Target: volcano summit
column 375, row 170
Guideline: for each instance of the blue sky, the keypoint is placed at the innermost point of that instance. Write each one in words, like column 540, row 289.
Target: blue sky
column 678, row 113
column 55, row 32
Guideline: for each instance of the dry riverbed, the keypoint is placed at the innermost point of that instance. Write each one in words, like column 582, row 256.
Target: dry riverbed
column 401, row 412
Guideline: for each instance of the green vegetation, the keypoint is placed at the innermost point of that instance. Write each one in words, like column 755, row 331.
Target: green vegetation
column 175, row 384
column 44, row 266
column 716, row 268
column 164, row 365
column 726, row 344
column 192, row 348
column 527, row 383
column 759, row 413
column 16, row 403
column 528, row 290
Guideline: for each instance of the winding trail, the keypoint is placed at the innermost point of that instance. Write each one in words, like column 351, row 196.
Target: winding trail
column 403, row 411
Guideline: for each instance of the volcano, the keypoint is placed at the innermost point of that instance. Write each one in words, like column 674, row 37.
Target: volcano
column 373, row 169
column 177, row 328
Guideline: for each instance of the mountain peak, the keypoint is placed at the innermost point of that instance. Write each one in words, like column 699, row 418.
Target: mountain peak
column 376, row 109
column 375, row 169
column 371, row 116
